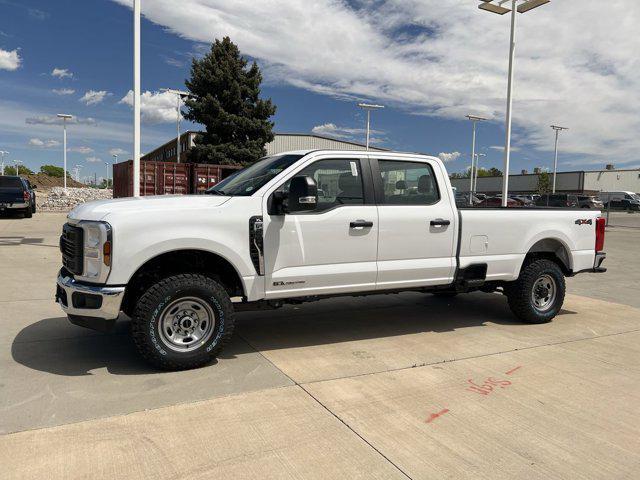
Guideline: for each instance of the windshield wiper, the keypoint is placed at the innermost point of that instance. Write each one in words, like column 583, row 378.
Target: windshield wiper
column 214, row 192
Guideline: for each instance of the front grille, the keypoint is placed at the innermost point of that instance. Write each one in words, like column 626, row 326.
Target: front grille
column 71, row 246
column 256, row 246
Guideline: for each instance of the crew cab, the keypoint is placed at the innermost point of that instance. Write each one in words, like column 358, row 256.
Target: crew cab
column 17, row 195
column 302, row 226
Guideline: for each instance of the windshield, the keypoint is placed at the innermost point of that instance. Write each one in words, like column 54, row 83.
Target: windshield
column 246, row 181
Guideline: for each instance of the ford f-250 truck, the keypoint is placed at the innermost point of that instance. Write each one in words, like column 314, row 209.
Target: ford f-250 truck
column 303, row 226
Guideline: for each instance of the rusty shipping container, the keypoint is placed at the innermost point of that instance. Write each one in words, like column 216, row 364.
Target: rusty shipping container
column 165, row 178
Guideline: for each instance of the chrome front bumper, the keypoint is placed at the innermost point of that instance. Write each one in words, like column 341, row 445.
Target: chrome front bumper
column 82, row 300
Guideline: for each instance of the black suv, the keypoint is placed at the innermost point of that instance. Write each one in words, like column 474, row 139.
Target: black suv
column 557, row 200
column 16, row 194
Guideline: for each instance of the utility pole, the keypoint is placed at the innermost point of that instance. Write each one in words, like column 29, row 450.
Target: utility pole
column 368, row 107
column 136, row 98
column 474, row 119
column 64, row 118
column 555, row 157
column 2, row 154
column 180, row 94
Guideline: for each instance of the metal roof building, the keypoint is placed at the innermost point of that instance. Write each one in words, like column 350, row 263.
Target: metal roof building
column 283, row 142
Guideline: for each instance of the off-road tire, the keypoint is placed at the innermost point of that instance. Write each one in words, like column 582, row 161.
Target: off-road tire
column 149, row 308
column 519, row 293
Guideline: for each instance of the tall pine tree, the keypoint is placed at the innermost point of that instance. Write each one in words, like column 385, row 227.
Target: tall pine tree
column 226, row 101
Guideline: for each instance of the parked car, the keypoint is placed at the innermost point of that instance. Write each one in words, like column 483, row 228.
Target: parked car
column 497, row 202
column 620, row 200
column 17, row 195
column 180, row 266
column 589, row 201
column 557, row 200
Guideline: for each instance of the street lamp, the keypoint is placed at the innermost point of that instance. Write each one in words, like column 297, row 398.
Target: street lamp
column 521, row 6
column 2, row 154
column 555, row 157
column 64, row 118
column 17, row 162
column 77, row 169
column 106, row 182
column 136, row 98
column 179, row 96
column 475, row 119
column 115, row 158
column 368, row 107
column 475, row 181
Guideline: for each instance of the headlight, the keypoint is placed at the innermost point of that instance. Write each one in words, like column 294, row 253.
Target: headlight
column 97, row 250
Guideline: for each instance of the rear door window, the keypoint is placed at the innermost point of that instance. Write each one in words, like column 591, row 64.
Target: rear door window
column 408, row 183
column 10, row 182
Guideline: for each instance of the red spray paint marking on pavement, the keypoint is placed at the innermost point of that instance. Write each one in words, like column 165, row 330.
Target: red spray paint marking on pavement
column 513, row 370
column 433, row 416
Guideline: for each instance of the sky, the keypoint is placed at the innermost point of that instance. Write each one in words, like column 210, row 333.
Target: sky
column 429, row 62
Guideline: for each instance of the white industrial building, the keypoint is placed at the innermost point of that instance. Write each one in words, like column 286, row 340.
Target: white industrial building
column 592, row 181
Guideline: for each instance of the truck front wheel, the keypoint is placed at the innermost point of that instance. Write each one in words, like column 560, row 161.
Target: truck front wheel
column 538, row 294
column 182, row 322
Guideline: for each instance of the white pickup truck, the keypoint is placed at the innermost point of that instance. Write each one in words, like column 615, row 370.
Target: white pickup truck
column 302, row 226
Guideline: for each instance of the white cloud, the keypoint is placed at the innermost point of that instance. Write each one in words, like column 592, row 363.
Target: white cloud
column 117, row 151
column 93, row 159
column 36, row 142
column 449, row 157
column 81, row 149
column 9, row 60
column 55, row 120
column 500, row 148
column 63, row 91
column 61, row 73
column 347, row 133
column 155, row 107
column 575, row 67
column 93, row 97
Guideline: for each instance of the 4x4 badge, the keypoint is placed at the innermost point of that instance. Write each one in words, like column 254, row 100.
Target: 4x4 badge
column 584, row 221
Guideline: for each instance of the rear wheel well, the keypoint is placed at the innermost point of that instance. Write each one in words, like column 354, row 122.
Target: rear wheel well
column 553, row 250
column 177, row 262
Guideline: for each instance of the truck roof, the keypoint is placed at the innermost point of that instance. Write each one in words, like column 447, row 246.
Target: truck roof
column 342, row 152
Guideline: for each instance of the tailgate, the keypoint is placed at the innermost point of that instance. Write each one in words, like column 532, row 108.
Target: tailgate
column 11, row 195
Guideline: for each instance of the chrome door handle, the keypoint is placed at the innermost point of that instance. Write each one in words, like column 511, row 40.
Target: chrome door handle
column 440, row 222
column 361, row 224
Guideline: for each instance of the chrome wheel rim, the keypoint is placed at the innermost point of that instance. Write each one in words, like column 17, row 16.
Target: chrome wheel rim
column 543, row 295
column 186, row 324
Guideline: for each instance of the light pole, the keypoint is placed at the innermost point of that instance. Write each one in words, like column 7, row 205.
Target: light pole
column 368, row 107
column 475, row 180
column 106, row 182
column 555, row 157
column 64, row 118
column 17, row 162
column 136, row 98
column 180, row 94
column 521, row 6
column 2, row 154
column 474, row 119
column 77, row 169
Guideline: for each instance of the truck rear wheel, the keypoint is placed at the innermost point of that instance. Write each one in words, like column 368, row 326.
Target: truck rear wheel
column 27, row 213
column 182, row 322
column 538, row 294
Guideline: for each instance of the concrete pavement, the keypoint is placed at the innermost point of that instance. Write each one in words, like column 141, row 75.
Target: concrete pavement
column 392, row 386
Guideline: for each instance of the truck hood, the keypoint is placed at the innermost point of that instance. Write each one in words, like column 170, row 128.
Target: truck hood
column 100, row 209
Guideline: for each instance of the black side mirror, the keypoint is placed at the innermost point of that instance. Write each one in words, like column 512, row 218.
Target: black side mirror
column 34, row 187
column 303, row 194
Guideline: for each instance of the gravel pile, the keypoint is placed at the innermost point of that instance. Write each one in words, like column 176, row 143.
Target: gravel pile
column 57, row 200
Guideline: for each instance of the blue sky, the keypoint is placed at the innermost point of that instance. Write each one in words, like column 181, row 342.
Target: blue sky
column 318, row 61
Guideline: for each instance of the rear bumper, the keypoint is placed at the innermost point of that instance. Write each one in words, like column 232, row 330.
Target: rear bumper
column 13, row 205
column 597, row 264
column 92, row 306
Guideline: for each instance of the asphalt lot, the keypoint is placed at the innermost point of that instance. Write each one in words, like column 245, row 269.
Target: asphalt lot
column 377, row 387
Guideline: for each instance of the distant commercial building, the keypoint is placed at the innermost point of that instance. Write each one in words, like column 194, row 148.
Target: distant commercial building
column 587, row 182
column 282, row 142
